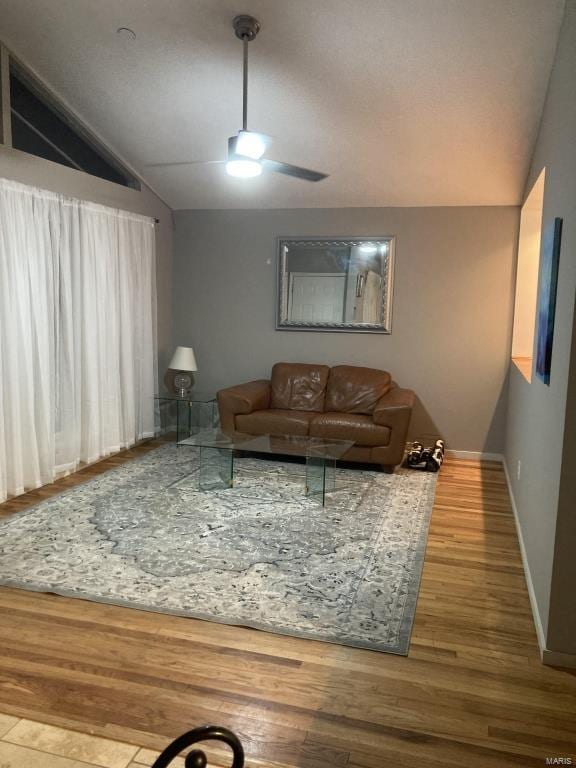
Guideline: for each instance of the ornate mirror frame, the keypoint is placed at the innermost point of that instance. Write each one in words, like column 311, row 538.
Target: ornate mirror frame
column 384, row 324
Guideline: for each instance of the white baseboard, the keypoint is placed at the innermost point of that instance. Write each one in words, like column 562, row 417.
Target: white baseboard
column 531, row 593
column 474, row 455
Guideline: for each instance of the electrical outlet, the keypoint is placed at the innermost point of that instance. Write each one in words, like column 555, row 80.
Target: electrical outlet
column 518, row 470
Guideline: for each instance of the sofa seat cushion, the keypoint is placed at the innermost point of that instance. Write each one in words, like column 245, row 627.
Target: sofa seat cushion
column 352, row 389
column 275, row 421
column 349, row 426
column 299, row 386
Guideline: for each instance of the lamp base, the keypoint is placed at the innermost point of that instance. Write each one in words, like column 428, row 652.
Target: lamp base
column 182, row 384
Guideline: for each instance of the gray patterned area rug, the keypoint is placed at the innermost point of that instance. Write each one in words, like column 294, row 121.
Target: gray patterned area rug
column 260, row 554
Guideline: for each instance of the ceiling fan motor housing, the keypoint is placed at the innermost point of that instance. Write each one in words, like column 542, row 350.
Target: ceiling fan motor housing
column 232, row 154
column 246, row 27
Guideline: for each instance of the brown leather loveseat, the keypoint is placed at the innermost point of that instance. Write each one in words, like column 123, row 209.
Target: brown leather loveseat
column 345, row 402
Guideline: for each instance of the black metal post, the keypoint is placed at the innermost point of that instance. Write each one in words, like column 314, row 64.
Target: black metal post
column 245, row 86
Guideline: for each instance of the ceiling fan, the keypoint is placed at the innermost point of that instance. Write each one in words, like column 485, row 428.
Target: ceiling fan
column 247, row 149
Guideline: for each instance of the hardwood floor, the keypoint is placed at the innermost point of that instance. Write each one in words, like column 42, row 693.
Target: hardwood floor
column 472, row 691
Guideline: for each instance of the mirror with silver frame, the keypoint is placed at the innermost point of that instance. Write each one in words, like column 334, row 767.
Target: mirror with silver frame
column 334, row 284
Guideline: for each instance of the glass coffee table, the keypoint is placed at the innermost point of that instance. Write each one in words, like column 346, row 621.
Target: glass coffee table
column 217, row 451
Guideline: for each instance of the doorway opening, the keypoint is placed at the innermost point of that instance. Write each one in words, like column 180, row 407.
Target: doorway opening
column 527, row 279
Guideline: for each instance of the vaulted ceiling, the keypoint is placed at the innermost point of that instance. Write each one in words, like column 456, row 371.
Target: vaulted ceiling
column 402, row 102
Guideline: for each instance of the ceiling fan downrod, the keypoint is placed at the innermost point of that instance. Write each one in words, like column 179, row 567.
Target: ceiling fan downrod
column 246, row 29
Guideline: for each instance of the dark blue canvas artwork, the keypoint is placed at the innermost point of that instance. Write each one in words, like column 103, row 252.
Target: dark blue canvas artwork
column 547, row 298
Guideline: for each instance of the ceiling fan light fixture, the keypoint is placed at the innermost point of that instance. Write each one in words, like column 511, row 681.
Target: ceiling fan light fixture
column 243, row 169
column 249, row 144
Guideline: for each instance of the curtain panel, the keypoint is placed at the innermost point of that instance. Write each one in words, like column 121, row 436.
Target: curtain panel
column 77, row 334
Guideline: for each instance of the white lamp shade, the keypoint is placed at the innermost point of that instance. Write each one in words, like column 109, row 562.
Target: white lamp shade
column 183, row 360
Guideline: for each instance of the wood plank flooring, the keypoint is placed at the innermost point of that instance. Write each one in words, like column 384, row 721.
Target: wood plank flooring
column 471, row 692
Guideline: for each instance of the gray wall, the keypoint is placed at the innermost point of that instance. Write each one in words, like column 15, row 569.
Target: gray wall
column 38, row 172
column 541, row 431
column 452, row 309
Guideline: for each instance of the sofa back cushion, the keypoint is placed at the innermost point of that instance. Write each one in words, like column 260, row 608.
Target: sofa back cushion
column 298, row 386
column 352, row 389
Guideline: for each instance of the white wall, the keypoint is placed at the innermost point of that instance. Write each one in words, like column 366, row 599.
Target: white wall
column 452, row 312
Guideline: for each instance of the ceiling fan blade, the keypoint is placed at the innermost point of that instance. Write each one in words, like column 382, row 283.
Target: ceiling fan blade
column 185, row 162
column 293, row 170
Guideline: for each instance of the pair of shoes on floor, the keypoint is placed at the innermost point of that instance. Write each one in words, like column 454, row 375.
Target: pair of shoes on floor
column 426, row 459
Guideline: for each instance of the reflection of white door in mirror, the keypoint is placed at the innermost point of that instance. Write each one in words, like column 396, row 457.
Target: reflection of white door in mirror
column 316, row 297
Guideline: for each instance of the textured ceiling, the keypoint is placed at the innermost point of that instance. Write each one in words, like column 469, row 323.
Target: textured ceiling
column 403, row 102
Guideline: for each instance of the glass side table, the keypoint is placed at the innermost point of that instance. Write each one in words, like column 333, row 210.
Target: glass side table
column 187, row 415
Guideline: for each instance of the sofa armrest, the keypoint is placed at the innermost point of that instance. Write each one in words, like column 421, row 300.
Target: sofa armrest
column 394, row 409
column 243, row 398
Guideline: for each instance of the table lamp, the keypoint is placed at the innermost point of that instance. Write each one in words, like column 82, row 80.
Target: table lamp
column 183, row 360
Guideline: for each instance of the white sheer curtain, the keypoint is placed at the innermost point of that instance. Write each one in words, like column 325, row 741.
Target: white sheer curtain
column 77, row 334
